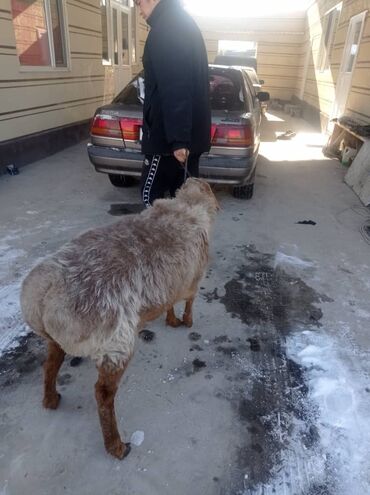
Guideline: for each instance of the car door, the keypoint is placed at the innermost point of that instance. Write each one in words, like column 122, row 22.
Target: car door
column 255, row 106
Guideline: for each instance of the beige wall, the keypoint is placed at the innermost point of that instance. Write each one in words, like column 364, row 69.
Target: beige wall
column 32, row 101
column 319, row 87
column 279, row 45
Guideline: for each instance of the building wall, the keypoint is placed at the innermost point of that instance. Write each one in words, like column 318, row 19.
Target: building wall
column 143, row 30
column 34, row 101
column 279, row 47
column 319, row 87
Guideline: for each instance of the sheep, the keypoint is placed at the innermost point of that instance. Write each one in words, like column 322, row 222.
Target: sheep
column 95, row 294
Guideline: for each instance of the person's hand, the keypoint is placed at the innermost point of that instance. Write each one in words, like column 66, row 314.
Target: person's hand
column 181, row 155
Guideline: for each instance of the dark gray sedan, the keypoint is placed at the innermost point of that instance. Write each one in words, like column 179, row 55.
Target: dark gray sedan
column 236, row 118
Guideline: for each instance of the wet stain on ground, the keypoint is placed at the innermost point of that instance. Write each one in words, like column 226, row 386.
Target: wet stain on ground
column 147, row 335
column 254, row 344
column 196, row 347
column 194, row 336
column 119, row 209
column 270, row 397
column 198, row 364
column 222, row 339
column 264, row 294
column 227, row 350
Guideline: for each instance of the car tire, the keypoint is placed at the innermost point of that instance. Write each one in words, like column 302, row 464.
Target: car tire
column 243, row 192
column 121, row 180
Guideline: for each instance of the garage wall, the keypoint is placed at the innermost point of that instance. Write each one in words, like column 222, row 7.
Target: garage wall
column 319, row 87
column 279, row 47
column 34, row 101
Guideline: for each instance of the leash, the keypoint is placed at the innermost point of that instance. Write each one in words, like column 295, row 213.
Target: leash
column 186, row 172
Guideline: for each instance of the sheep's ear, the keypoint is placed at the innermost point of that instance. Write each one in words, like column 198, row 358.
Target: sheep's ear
column 205, row 187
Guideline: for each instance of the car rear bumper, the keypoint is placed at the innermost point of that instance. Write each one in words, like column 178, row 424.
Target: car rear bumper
column 214, row 168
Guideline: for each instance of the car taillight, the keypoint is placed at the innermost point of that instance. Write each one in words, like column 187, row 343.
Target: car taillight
column 130, row 128
column 106, row 126
column 232, row 136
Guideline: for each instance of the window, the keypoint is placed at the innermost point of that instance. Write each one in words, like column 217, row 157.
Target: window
column 133, row 93
column 237, row 48
column 125, row 39
column 354, row 47
column 133, row 35
column 115, row 37
column 39, row 32
column 329, row 29
column 226, row 91
column 104, row 31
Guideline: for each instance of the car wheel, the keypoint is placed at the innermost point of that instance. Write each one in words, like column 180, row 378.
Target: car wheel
column 243, row 192
column 121, row 180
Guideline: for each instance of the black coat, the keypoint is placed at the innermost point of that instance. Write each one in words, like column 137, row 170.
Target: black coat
column 177, row 110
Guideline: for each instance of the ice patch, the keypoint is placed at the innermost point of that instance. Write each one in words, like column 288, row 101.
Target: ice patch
column 285, row 259
column 137, row 438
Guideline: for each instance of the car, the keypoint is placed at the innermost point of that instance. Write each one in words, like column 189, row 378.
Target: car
column 116, row 131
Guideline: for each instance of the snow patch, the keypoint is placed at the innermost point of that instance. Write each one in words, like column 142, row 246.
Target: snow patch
column 285, row 259
column 137, row 438
column 339, row 461
column 342, row 405
column 12, row 326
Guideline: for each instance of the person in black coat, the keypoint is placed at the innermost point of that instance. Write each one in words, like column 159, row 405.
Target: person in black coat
column 177, row 113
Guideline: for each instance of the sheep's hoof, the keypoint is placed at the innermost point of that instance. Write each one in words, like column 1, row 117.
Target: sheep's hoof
column 173, row 322
column 51, row 401
column 119, row 450
column 187, row 321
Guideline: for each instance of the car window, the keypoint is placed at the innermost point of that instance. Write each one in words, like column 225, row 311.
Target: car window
column 253, row 76
column 133, row 93
column 226, row 91
column 251, row 90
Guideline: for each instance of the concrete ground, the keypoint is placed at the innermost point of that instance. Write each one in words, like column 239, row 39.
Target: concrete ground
column 268, row 393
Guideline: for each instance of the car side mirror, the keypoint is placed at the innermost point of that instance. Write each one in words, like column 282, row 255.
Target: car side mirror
column 263, row 96
column 262, row 81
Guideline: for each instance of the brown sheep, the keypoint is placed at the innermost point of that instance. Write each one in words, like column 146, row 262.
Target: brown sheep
column 97, row 292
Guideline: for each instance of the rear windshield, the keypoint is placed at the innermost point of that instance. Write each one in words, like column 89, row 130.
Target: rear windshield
column 133, row 93
column 226, row 91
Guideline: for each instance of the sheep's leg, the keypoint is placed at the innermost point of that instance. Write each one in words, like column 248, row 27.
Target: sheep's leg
column 172, row 320
column 51, row 367
column 105, row 392
column 187, row 318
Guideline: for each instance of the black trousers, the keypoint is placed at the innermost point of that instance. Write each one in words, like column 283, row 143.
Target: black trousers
column 163, row 174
